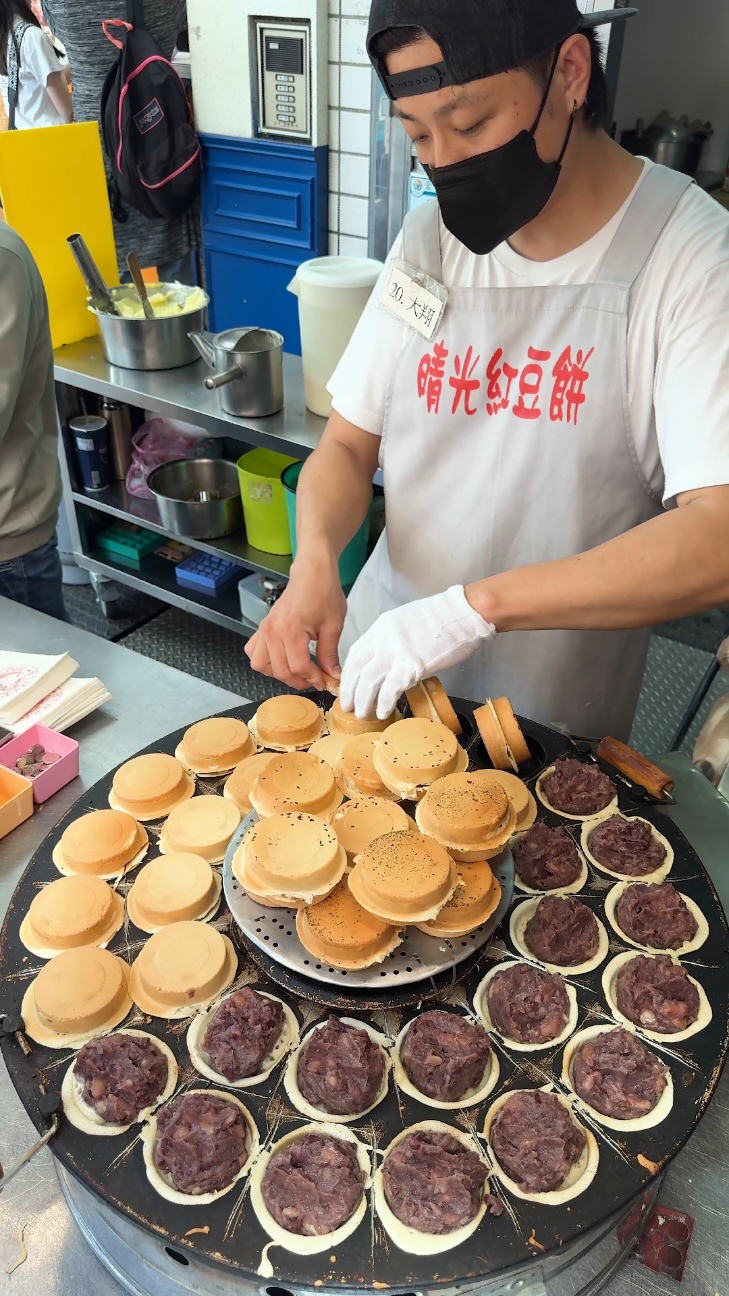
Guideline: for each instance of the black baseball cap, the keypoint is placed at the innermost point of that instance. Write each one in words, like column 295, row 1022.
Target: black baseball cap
column 479, row 38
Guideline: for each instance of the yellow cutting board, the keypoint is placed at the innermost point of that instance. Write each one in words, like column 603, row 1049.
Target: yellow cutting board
column 52, row 184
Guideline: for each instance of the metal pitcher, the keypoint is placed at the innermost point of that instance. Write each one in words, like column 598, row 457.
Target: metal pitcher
column 248, row 367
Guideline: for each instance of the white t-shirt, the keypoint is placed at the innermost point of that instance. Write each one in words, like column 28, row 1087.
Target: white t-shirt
column 38, row 60
column 678, row 343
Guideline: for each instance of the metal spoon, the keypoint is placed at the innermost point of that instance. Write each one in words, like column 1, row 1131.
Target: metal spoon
column 135, row 271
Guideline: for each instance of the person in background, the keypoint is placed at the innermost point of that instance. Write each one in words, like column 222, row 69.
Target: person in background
column 30, row 476
column 170, row 245
column 44, row 98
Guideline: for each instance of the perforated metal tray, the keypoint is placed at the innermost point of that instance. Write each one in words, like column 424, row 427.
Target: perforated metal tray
column 417, row 958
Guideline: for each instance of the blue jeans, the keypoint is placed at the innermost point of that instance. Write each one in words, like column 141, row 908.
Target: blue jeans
column 35, row 579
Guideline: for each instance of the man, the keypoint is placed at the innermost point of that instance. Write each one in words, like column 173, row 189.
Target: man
column 556, row 454
column 30, row 476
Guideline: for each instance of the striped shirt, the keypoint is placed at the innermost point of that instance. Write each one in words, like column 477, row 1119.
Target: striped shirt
column 77, row 23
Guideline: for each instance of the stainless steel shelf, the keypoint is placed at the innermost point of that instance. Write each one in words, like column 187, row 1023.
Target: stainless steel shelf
column 179, row 393
column 223, row 610
column 118, row 503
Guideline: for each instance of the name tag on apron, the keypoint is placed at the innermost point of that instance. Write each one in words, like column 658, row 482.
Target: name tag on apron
column 414, row 298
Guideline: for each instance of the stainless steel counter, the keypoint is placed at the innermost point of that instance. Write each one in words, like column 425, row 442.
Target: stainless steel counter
column 151, row 699
column 148, row 699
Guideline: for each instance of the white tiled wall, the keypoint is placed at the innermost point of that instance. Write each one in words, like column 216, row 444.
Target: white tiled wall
column 350, row 90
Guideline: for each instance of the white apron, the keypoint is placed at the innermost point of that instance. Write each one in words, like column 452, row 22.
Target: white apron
column 507, row 441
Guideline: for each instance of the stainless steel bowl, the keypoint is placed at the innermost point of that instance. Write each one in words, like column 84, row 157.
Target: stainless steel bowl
column 181, row 488
column 148, row 344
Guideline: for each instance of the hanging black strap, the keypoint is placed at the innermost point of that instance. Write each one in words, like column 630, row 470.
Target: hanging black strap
column 13, row 84
column 135, row 12
column 13, row 64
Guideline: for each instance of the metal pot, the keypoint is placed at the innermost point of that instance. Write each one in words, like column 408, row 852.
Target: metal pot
column 675, row 143
column 198, row 498
column 161, row 343
column 248, row 365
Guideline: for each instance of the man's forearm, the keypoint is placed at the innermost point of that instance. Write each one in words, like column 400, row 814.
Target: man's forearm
column 333, row 496
column 673, row 566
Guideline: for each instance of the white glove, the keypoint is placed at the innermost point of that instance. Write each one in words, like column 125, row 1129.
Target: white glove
column 407, row 645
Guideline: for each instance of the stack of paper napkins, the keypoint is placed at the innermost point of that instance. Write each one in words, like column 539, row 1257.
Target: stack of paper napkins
column 38, row 689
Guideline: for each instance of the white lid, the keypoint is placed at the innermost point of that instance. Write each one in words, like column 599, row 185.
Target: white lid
column 340, row 272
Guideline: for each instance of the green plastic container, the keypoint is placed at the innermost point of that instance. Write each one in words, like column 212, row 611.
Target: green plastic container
column 264, row 501
column 354, row 556
column 129, row 545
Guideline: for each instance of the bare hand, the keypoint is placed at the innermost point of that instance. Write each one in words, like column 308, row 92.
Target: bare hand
column 312, row 607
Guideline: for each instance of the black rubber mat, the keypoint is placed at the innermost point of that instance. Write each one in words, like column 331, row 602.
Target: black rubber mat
column 673, row 673
column 207, row 651
column 705, row 631
column 130, row 610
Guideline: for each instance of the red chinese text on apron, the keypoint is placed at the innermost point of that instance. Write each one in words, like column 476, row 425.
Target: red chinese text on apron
column 507, row 441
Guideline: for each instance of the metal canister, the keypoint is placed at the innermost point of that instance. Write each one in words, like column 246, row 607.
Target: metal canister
column 120, row 436
column 91, row 438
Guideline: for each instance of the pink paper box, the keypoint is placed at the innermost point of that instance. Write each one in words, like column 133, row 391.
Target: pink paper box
column 56, row 776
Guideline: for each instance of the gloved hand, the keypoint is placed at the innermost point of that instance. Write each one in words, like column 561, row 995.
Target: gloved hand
column 407, row 645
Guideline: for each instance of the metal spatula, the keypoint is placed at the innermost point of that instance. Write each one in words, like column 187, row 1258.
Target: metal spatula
column 135, row 271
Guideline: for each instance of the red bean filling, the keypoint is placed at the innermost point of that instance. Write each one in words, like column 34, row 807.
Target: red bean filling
column 528, row 1004
column 658, row 994
column 122, row 1076
column 314, row 1185
column 340, row 1069
column 617, row 1075
column 577, row 788
column 242, row 1033
column 627, row 846
column 563, row 931
column 656, row 916
column 433, row 1183
column 201, row 1143
column 536, row 1142
column 445, row 1055
column 546, row 858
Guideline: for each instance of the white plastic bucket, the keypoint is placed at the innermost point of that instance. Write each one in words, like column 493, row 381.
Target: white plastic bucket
column 332, row 293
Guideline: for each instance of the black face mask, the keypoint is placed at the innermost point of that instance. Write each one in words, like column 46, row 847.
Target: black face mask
column 487, row 198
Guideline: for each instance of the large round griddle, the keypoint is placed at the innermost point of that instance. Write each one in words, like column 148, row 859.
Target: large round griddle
column 113, row 1168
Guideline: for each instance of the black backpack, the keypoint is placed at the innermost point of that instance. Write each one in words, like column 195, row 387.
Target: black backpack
column 146, row 125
